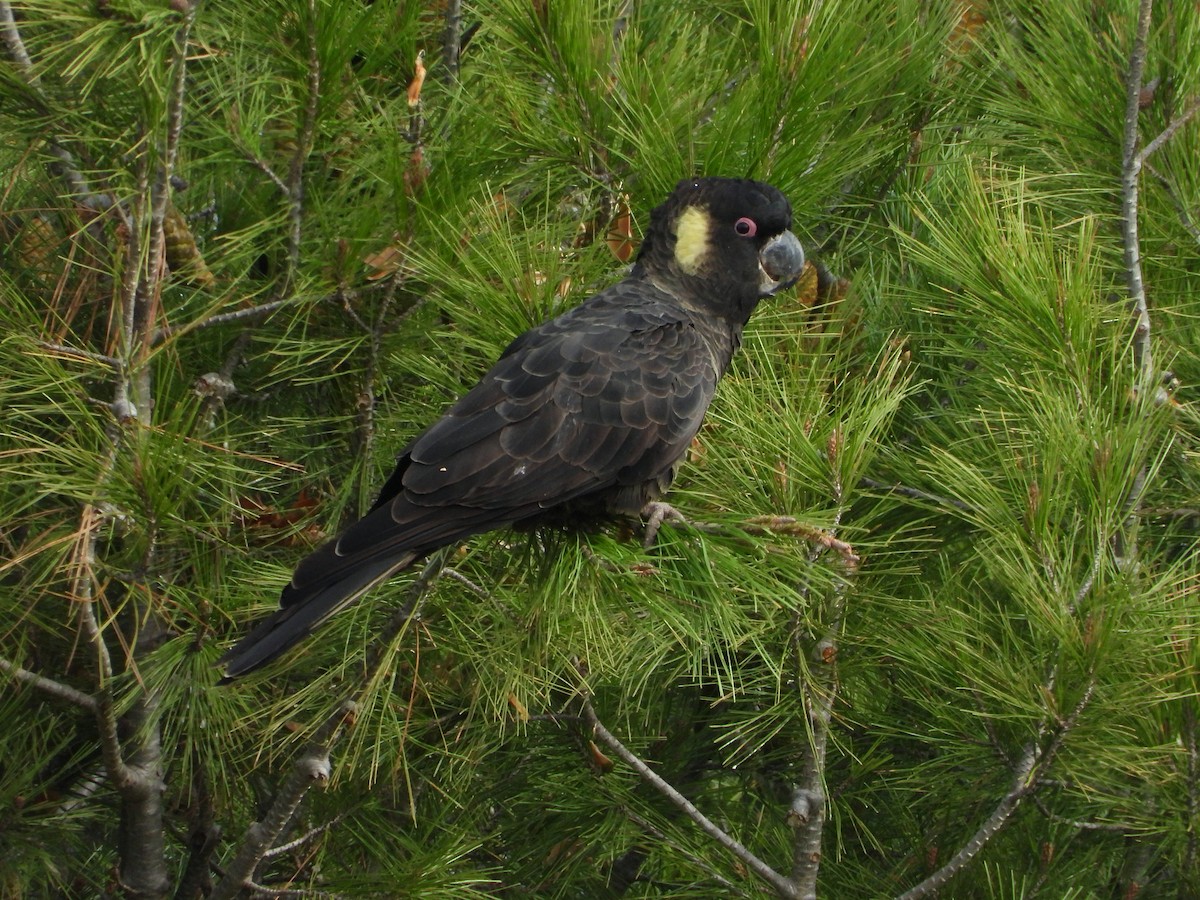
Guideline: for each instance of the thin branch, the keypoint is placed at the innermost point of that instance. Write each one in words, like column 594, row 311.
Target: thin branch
column 91, row 356
column 299, row 893
column 1023, row 782
column 49, row 686
column 203, row 834
column 1027, row 777
column 264, row 167
column 304, row 838
column 15, row 46
column 810, row 805
column 304, row 144
column 917, row 494
column 782, row 885
column 1131, row 162
column 1185, row 217
column 82, row 594
column 452, row 41
column 1167, row 133
column 238, row 315
column 657, row 833
column 78, row 185
column 311, row 767
column 1192, row 750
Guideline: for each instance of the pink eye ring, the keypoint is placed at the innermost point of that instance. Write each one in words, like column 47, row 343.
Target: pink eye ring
column 745, row 227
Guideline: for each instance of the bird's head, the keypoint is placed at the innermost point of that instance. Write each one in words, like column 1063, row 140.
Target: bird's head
column 722, row 242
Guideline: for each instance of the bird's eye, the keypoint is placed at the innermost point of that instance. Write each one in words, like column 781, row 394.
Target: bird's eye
column 745, row 227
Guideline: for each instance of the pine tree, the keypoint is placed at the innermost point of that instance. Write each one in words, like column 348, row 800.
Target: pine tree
column 933, row 625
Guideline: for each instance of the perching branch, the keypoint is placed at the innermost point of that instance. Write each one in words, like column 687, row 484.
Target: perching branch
column 782, row 885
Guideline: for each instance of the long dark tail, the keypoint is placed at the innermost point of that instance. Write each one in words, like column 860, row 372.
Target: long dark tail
column 291, row 624
column 385, row 541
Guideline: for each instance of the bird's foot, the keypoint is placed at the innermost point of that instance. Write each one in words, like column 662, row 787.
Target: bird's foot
column 655, row 513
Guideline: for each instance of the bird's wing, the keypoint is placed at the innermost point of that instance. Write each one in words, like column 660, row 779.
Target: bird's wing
column 611, row 394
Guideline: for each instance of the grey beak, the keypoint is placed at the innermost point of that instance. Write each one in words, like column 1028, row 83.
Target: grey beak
column 781, row 261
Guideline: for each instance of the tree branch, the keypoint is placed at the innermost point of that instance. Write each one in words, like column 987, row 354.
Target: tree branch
column 782, row 885
column 50, row 687
column 304, row 144
column 77, row 184
column 810, row 805
column 452, row 41
column 311, row 767
column 1131, row 164
column 1022, row 784
column 1167, row 133
column 1027, row 778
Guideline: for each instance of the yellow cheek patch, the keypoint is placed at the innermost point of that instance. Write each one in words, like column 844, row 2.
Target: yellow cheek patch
column 691, row 239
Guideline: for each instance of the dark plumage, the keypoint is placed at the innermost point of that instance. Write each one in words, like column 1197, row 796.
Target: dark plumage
column 590, row 412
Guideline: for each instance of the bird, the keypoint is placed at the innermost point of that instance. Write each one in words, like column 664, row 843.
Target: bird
column 585, row 416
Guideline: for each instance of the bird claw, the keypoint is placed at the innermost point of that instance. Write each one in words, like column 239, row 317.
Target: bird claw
column 655, row 513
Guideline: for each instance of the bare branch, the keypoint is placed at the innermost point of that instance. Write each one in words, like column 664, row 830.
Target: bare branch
column 238, row 315
column 75, row 353
column 657, row 833
column 1022, row 784
column 15, row 46
column 146, row 312
column 78, row 185
column 299, row 893
column 1028, row 776
column 49, row 686
column 82, row 593
column 1130, row 170
column 452, row 41
column 304, row 144
column 311, row 767
column 304, row 838
column 1185, row 217
column 1169, row 132
column 266, row 169
column 782, row 885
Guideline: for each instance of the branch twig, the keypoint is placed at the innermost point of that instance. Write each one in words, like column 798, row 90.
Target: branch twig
column 810, row 805
column 78, row 185
column 1023, row 782
column 311, row 767
column 49, row 686
column 781, row 883
column 1131, row 164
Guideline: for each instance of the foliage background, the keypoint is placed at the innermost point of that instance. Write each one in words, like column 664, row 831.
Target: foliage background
column 238, row 269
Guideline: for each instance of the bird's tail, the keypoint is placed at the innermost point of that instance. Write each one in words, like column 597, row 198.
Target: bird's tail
column 306, row 609
column 389, row 538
